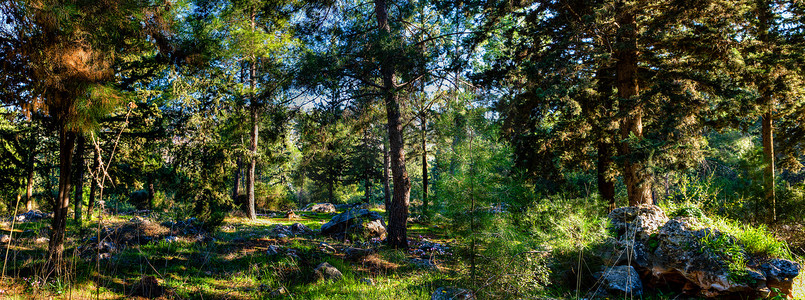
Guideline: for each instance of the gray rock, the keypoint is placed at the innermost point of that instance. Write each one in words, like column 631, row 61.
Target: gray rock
column 452, row 293
column 424, row 263
column 31, row 216
column 171, row 239
column 326, row 271
column 368, row 281
column 355, row 224
column 273, row 250
column 278, row 292
column 780, row 274
column 324, row 208
column 637, row 222
column 622, row 281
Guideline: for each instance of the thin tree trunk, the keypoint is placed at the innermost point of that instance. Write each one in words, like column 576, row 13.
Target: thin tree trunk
column 638, row 184
column 236, row 175
column 59, row 223
column 254, row 133
column 764, row 15
column 398, row 215
column 29, row 188
column 386, row 184
column 424, row 166
column 79, row 177
column 93, row 188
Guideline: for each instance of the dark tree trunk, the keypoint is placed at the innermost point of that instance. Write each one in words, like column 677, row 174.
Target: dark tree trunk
column 606, row 187
column 254, row 133
column 29, row 187
column 424, row 167
column 79, row 177
column 94, row 182
column 765, row 20
column 638, row 183
column 606, row 184
column 398, row 215
column 59, row 223
column 386, row 184
column 236, row 183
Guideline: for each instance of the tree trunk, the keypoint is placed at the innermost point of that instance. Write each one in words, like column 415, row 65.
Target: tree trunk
column 79, row 178
column 606, row 187
column 254, row 133
column 94, row 182
column 768, row 160
column 424, row 167
column 638, row 183
column 765, row 20
column 59, row 223
column 29, row 188
column 236, row 183
column 386, row 184
column 398, row 215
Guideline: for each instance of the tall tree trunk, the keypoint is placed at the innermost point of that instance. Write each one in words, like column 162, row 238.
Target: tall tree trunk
column 94, row 182
column 386, row 184
column 764, row 15
column 79, row 177
column 59, row 223
column 29, row 187
column 254, row 132
column 606, row 184
column 424, row 166
column 768, row 160
column 398, row 215
column 638, row 183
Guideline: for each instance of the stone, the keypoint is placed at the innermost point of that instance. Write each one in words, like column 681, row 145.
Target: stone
column 273, row 250
column 452, row 293
column 322, row 208
column 171, row 239
column 326, row 271
column 424, row 263
column 637, row 222
column 368, row 281
column 5, row 238
column 42, row 240
column 291, row 215
column 622, row 281
column 326, row 247
column 356, row 253
column 355, row 224
column 31, row 216
column 294, row 229
column 780, row 274
column 278, row 292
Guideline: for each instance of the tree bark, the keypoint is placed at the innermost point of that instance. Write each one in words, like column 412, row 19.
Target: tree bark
column 236, row 175
column 254, row 132
column 638, row 183
column 386, row 184
column 29, row 188
column 79, row 177
column 398, row 215
column 59, row 223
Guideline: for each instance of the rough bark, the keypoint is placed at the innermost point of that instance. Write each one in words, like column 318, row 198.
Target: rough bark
column 638, row 183
column 398, row 214
column 29, row 187
column 386, row 184
column 78, row 196
column 62, row 203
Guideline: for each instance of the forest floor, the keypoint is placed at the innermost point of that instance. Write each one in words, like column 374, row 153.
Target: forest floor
column 153, row 256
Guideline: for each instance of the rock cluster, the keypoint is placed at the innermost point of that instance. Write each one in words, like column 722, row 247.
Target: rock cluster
column 283, row 231
column 31, row 216
column 324, row 208
column 675, row 253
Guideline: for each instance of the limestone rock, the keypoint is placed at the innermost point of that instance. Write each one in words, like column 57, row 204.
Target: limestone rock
column 323, row 208
column 327, row 272
column 356, row 224
column 622, row 281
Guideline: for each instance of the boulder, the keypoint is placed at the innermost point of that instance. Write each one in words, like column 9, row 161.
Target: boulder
column 678, row 254
column 323, row 208
column 326, row 271
column 622, row 281
column 31, row 216
column 452, row 293
column 356, row 224
column 283, row 231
